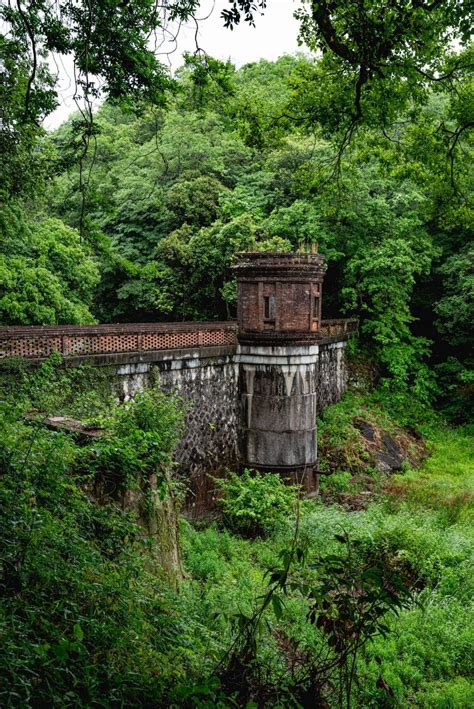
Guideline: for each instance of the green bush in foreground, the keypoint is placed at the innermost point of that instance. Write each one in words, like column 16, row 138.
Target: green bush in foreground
column 86, row 618
column 254, row 503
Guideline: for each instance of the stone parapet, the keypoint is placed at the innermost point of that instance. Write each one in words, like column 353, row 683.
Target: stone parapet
column 339, row 328
column 116, row 344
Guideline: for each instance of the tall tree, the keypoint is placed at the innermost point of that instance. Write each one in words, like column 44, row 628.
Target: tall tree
column 377, row 55
column 113, row 54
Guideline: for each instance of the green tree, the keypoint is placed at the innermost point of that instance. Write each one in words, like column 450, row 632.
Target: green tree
column 47, row 275
column 455, row 308
column 375, row 58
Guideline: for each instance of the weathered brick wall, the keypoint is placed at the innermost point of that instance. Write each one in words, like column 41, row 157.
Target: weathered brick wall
column 279, row 293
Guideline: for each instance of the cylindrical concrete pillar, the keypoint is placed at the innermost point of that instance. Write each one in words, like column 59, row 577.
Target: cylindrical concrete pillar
column 278, row 405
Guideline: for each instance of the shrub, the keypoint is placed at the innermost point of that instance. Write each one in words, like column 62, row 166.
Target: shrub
column 85, row 619
column 139, row 441
column 255, row 503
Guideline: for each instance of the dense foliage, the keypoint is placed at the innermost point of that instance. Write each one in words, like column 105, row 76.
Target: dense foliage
column 47, row 275
column 361, row 597
column 84, row 615
column 376, row 59
column 167, row 197
column 254, row 503
column 363, row 604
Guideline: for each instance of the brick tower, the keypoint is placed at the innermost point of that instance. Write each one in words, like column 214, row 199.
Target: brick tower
column 279, row 316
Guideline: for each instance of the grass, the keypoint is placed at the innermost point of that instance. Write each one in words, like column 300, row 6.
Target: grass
column 422, row 519
column 446, row 481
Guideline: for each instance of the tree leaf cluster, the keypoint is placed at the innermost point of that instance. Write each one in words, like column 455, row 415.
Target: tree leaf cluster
column 253, row 159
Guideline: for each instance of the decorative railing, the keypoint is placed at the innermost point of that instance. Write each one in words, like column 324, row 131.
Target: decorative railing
column 338, row 328
column 36, row 342
column 79, row 340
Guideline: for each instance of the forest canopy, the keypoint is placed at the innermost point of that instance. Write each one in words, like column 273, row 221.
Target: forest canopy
column 362, row 148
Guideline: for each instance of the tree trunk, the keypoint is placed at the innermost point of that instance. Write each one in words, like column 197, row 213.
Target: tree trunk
column 159, row 518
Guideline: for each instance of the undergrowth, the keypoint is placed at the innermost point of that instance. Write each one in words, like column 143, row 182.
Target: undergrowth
column 419, row 523
column 87, row 620
column 85, row 617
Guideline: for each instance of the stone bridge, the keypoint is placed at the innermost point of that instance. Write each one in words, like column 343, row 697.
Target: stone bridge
column 127, row 343
column 252, row 387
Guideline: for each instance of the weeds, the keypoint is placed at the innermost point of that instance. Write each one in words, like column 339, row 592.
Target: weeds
column 418, row 525
column 254, row 503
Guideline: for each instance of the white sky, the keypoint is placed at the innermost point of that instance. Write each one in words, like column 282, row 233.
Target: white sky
column 275, row 34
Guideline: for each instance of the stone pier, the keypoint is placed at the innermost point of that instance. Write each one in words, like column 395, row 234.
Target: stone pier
column 252, row 389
